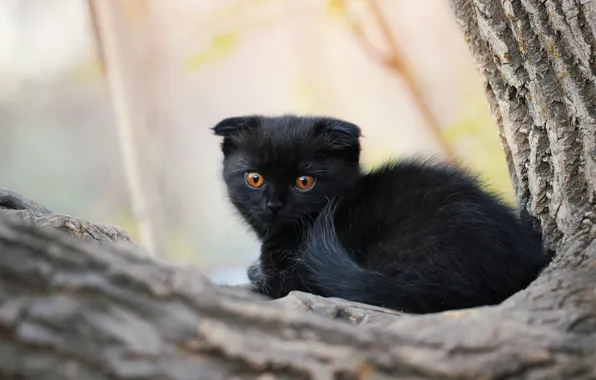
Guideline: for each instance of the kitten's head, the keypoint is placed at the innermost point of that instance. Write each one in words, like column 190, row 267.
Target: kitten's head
column 282, row 170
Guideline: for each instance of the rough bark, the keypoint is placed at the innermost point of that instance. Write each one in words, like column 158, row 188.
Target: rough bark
column 73, row 309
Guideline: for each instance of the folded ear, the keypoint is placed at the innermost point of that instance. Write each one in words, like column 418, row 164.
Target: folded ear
column 234, row 126
column 340, row 134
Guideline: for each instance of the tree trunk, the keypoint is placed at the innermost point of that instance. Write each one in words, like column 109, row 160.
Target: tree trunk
column 538, row 61
column 73, row 309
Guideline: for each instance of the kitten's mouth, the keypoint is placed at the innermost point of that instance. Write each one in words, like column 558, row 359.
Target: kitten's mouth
column 271, row 221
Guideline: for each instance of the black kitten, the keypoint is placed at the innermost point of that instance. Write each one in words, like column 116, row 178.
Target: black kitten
column 412, row 235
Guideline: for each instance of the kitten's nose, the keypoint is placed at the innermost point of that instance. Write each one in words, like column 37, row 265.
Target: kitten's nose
column 274, row 206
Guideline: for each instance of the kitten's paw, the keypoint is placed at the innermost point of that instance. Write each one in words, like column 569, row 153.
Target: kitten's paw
column 254, row 273
column 258, row 281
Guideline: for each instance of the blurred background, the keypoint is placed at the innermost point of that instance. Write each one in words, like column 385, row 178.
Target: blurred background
column 106, row 105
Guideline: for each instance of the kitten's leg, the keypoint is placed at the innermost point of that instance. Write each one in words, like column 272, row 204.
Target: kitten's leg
column 276, row 273
column 274, row 285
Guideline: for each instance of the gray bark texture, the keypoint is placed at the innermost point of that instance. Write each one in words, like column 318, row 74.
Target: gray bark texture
column 89, row 304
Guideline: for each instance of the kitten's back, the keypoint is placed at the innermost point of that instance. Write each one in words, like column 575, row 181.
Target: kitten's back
column 425, row 223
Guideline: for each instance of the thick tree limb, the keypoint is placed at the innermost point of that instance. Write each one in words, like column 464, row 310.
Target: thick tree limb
column 71, row 309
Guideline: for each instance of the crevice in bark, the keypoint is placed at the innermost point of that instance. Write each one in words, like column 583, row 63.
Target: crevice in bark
column 588, row 34
column 571, row 97
column 541, row 176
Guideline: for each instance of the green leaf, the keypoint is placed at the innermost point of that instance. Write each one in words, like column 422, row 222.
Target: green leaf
column 459, row 129
column 337, row 8
column 220, row 47
column 87, row 71
column 180, row 248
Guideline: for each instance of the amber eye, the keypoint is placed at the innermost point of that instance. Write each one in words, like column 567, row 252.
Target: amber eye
column 254, row 179
column 305, row 182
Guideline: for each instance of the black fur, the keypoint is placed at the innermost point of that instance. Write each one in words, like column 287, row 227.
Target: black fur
column 413, row 235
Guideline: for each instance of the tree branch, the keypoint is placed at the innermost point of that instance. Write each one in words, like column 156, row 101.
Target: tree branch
column 395, row 61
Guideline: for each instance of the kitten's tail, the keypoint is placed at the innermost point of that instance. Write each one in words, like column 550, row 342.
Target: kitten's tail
column 334, row 271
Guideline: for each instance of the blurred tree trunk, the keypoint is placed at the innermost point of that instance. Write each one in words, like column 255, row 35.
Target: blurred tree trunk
column 73, row 310
column 129, row 47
